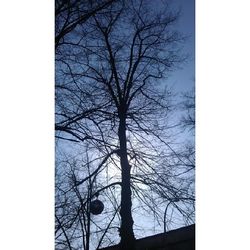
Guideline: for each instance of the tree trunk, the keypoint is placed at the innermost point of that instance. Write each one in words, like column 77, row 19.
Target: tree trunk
column 126, row 230
column 88, row 215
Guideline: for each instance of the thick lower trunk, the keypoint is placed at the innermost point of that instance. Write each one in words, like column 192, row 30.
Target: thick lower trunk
column 126, row 230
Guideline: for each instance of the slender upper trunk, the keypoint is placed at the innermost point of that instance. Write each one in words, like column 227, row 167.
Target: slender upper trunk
column 88, row 216
column 126, row 230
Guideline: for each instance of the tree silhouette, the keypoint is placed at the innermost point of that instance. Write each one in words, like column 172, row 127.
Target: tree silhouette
column 110, row 94
column 70, row 13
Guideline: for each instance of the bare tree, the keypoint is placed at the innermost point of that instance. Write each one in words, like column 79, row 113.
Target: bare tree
column 70, row 13
column 188, row 105
column 110, row 92
column 73, row 221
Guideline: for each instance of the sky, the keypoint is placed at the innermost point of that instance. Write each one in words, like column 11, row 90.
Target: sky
column 183, row 79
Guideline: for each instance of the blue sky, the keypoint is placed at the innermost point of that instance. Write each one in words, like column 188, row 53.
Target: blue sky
column 183, row 79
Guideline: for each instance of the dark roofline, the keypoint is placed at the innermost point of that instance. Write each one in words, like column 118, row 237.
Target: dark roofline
column 163, row 239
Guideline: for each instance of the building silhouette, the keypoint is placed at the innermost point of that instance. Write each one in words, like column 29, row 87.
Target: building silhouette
column 179, row 239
